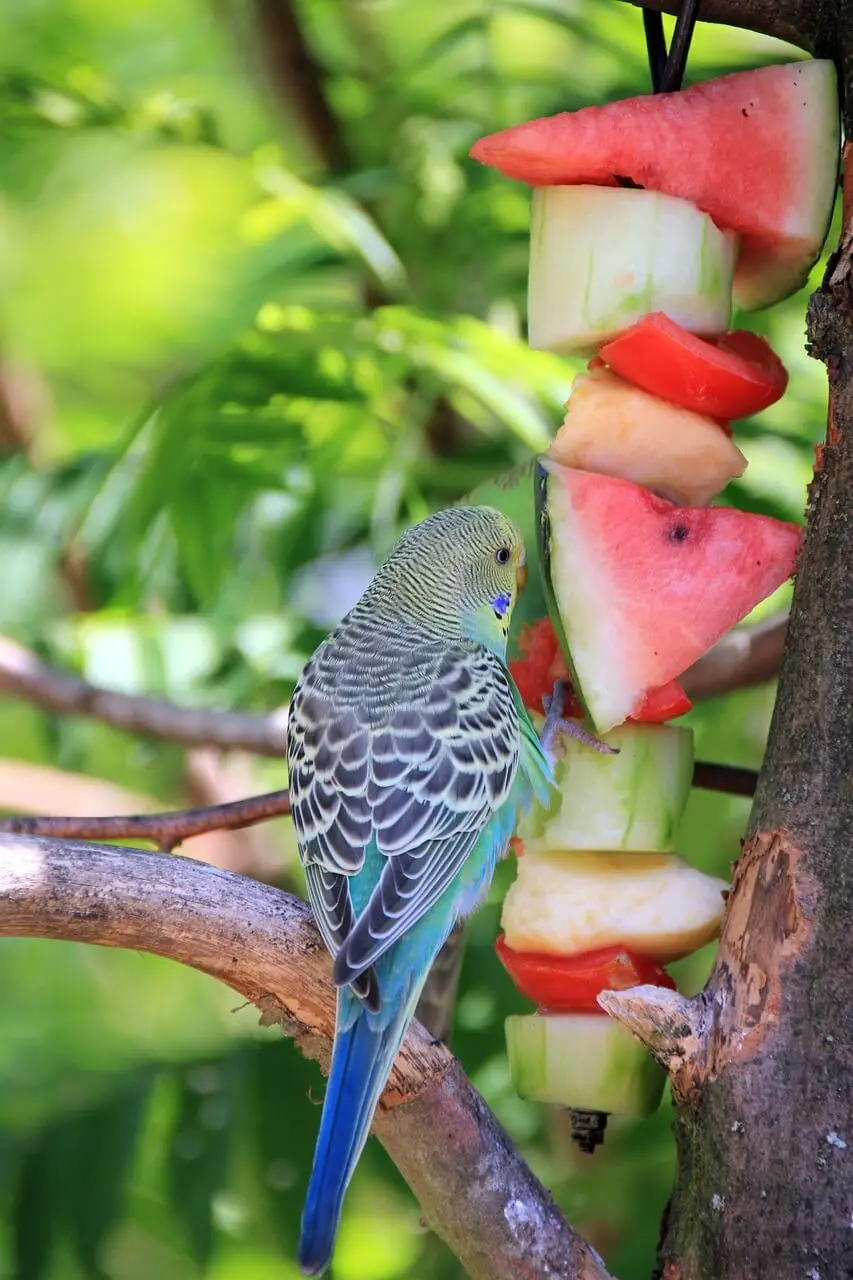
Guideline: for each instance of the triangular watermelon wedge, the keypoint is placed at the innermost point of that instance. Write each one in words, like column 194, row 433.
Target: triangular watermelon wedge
column 641, row 588
column 757, row 150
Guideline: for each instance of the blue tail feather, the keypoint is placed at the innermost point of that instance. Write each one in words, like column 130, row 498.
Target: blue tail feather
column 366, row 1044
column 361, row 1061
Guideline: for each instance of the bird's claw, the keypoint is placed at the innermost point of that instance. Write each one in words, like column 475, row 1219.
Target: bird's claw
column 556, row 723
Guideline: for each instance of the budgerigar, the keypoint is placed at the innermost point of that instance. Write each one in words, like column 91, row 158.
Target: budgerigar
column 409, row 755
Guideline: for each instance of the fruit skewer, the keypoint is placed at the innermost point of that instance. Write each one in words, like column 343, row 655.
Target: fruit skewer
column 637, row 252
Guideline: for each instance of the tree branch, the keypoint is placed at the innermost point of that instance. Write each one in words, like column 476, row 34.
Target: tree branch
column 166, row 830
column 300, row 80
column 474, row 1187
column 745, row 657
column 23, row 675
column 39, row 788
column 800, row 22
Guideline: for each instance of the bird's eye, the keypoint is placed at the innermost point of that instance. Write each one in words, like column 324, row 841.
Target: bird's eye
column 502, row 555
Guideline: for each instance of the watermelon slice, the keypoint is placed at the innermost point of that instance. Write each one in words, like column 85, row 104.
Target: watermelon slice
column 757, row 150
column 642, row 588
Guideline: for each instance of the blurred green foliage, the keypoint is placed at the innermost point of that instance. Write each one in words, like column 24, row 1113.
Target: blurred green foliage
column 242, row 375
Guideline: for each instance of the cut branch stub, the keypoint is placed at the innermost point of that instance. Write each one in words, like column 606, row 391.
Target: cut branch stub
column 671, row 1026
column 765, row 925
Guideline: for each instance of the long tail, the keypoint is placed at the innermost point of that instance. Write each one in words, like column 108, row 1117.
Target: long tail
column 361, row 1062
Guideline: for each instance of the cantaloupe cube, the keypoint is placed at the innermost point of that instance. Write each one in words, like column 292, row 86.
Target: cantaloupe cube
column 618, row 430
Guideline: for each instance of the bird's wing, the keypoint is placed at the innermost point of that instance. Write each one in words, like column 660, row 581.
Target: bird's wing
column 533, row 763
column 417, row 789
column 328, row 894
column 439, row 771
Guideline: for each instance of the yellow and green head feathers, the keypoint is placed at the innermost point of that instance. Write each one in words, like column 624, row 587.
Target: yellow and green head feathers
column 456, row 574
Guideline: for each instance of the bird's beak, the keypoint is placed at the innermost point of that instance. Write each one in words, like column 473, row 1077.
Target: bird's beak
column 521, row 578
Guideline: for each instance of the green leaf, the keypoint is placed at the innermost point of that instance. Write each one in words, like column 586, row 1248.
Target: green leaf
column 337, row 218
column 33, row 1221
column 283, row 1129
column 474, row 25
column 98, row 1147
column 200, row 1144
column 507, row 404
column 570, row 20
column 203, row 517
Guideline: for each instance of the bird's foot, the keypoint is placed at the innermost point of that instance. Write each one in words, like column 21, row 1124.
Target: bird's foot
column 556, row 723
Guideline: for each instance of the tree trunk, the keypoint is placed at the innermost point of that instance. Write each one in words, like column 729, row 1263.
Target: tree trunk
column 765, row 1133
column 762, row 1062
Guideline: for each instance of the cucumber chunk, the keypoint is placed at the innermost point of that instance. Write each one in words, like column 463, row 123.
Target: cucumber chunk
column 630, row 802
column 582, row 1060
column 603, row 257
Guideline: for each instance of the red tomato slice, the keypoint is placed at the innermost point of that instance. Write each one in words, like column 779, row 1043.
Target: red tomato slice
column 542, row 663
column 737, row 375
column 569, row 984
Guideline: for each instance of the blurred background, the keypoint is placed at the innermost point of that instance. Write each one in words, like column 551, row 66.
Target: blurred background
column 258, row 312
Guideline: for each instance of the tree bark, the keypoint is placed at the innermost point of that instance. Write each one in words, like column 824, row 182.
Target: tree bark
column 761, row 1063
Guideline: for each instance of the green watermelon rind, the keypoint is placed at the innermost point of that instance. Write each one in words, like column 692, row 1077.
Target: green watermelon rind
column 543, row 524
column 757, row 289
column 633, row 801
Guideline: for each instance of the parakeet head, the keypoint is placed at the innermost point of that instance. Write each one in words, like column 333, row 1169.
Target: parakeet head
column 459, row 572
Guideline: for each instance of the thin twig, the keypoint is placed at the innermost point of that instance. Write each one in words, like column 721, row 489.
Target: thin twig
column 676, row 61
column 213, row 777
column 25, row 676
column 728, row 778
column 655, row 46
column 165, row 830
column 469, row 1179
column 168, row 830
